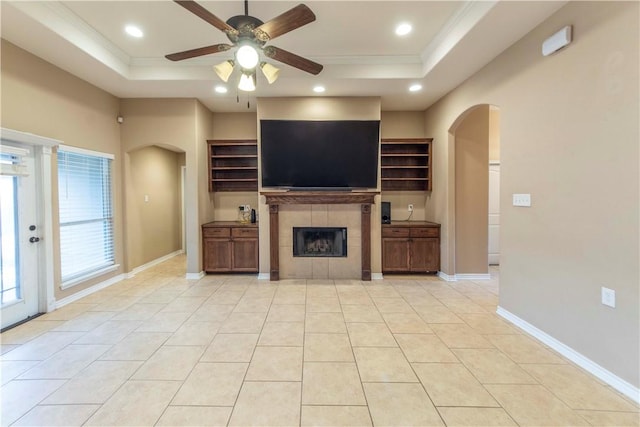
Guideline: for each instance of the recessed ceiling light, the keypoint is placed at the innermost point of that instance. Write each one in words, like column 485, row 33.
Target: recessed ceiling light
column 319, row 89
column 221, row 89
column 416, row 87
column 403, row 29
column 133, row 31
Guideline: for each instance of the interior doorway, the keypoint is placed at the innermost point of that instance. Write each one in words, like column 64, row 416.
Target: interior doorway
column 474, row 139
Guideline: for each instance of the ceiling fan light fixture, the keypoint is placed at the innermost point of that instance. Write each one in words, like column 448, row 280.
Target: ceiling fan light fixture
column 270, row 72
column 247, row 57
column 247, row 82
column 224, row 70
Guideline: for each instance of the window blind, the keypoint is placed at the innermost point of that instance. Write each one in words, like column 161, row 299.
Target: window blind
column 86, row 214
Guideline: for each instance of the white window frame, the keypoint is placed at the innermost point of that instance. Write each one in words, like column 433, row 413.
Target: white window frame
column 75, row 280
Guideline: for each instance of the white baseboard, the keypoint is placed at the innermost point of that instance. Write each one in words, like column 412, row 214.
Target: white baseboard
column 589, row 365
column 447, row 277
column 195, row 276
column 376, row 276
column 480, row 276
column 88, row 291
column 150, row 264
column 456, row 277
column 264, row 276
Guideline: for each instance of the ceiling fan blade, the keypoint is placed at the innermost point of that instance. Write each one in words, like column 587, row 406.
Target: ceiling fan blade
column 179, row 56
column 288, row 21
column 203, row 13
column 292, row 59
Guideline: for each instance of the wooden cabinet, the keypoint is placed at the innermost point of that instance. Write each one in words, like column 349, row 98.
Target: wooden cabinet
column 230, row 247
column 233, row 165
column 410, row 247
column 406, row 164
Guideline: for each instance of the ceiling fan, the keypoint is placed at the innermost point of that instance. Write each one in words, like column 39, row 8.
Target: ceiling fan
column 249, row 35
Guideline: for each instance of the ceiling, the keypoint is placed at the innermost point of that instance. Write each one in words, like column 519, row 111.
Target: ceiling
column 354, row 40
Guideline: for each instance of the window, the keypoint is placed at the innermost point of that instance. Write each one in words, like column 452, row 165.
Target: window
column 86, row 214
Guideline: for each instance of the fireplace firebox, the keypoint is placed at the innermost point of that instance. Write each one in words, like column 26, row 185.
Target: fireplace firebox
column 319, row 242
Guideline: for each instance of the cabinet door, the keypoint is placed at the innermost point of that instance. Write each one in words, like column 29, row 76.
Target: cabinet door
column 245, row 255
column 217, row 255
column 425, row 254
column 395, row 254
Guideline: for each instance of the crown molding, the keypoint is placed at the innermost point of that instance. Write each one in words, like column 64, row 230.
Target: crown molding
column 62, row 21
column 467, row 17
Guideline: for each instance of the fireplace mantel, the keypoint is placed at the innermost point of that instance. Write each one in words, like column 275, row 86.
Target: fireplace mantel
column 276, row 198
column 318, row 197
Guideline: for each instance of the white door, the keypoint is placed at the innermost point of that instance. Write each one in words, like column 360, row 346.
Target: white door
column 494, row 214
column 19, row 250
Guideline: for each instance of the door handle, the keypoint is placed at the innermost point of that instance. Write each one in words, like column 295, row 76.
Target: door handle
column 33, row 239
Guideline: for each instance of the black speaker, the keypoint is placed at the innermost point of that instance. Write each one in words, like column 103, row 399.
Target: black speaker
column 386, row 212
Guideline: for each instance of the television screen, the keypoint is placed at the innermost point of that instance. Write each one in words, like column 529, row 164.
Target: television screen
column 300, row 154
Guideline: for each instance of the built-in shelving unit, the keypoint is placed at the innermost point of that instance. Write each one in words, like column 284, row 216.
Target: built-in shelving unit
column 233, row 165
column 406, row 164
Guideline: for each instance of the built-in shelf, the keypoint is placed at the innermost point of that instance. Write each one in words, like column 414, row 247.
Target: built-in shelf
column 233, row 165
column 406, row 164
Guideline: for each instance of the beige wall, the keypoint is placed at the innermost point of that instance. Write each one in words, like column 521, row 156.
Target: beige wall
column 235, row 126
column 206, row 206
column 153, row 210
column 326, row 108
column 404, row 124
column 44, row 100
column 494, row 134
column 167, row 123
column 472, row 192
column 569, row 137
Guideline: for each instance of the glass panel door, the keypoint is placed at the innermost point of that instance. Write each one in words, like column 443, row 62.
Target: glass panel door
column 9, row 251
column 19, row 236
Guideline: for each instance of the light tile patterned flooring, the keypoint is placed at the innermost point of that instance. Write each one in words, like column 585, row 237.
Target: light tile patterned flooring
column 232, row 350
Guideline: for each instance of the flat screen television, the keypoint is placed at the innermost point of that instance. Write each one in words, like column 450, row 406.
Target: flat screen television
column 319, row 155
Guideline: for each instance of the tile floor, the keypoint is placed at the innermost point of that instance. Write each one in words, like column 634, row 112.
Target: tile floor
column 231, row 350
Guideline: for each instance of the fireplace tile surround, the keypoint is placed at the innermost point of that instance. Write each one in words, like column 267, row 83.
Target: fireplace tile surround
column 347, row 216
column 320, row 209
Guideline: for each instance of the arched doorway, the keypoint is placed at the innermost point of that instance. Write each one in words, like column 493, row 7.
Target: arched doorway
column 474, row 139
column 154, row 205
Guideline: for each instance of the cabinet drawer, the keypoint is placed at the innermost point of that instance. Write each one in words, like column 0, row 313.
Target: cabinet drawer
column 216, row 232
column 244, row 232
column 425, row 232
column 395, row 232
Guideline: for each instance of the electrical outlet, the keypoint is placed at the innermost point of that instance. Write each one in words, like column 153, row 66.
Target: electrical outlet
column 609, row 297
column 410, row 207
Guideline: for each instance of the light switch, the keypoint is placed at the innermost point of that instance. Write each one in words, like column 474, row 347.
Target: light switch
column 608, row 297
column 146, row 198
column 522, row 200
